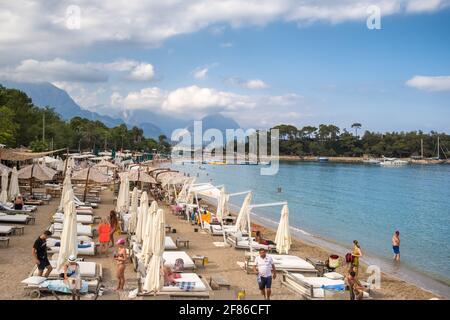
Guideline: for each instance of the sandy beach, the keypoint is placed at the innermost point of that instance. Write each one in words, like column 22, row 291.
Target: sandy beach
column 16, row 262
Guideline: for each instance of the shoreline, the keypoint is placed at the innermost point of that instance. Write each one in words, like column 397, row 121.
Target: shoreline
column 390, row 282
column 358, row 160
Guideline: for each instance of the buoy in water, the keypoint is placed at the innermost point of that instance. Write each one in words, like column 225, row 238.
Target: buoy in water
column 279, row 189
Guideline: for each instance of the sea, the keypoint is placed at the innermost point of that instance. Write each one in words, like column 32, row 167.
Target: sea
column 332, row 204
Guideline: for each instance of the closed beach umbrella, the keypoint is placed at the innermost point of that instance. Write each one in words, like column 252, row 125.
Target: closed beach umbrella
column 4, row 193
column 4, row 168
column 283, row 237
column 67, row 185
column 152, row 281
column 123, row 196
column 14, row 184
column 241, row 220
column 133, row 210
column 69, row 245
column 142, row 217
column 148, row 233
column 60, row 165
column 221, row 208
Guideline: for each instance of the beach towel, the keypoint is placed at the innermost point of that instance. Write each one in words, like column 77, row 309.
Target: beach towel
column 60, row 286
column 186, row 285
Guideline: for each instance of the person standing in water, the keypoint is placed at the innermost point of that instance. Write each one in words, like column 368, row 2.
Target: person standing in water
column 396, row 245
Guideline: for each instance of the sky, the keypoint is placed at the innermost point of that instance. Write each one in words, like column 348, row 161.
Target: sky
column 260, row 62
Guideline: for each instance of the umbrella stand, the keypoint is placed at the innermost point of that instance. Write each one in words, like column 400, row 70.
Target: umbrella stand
column 31, row 180
column 67, row 161
column 248, row 218
column 86, row 185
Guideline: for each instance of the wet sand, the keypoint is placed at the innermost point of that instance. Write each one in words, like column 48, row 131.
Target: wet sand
column 16, row 262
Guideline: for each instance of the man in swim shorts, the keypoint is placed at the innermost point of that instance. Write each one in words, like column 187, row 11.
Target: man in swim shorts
column 266, row 271
column 396, row 245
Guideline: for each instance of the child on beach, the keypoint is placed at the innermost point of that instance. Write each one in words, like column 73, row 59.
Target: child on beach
column 104, row 230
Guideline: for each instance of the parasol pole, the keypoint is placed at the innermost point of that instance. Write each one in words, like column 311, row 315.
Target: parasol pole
column 31, row 179
column 67, row 162
column 86, row 185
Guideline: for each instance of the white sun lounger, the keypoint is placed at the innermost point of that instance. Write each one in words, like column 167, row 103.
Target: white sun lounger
column 242, row 242
column 14, row 218
column 88, row 270
column 217, row 229
column 314, row 288
column 82, row 229
column 169, row 258
column 169, row 244
column 199, row 288
column 26, row 207
column 287, row 263
column 6, row 230
column 87, row 251
column 83, row 218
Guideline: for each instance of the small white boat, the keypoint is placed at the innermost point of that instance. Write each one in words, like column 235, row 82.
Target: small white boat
column 371, row 161
column 393, row 162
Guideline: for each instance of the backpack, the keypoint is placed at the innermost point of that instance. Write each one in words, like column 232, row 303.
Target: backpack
column 179, row 265
column 348, row 258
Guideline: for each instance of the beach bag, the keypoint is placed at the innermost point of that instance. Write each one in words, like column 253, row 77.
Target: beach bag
column 179, row 265
column 348, row 258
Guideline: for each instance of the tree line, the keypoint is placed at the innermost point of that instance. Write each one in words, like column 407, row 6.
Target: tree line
column 22, row 124
column 329, row 140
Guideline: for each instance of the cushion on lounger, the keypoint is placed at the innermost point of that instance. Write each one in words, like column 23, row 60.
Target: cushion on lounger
column 34, row 280
column 333, row 275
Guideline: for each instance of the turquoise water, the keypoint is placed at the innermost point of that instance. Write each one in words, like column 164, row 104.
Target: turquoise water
column 343, row 202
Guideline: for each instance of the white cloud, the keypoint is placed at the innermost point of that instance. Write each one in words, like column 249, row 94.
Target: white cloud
column 60, row 70
column 54, row 70
column 201, row 74
column 255, row 84
column 427, row 83
column 32, row 28
column 142, row 72
column 195, row 102
column 249, row 84
column 226, row 44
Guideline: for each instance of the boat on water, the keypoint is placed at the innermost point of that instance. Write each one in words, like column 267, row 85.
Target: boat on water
column 371, row 161
column 393, row 162
column 322, row 159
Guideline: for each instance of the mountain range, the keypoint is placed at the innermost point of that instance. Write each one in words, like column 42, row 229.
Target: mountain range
column 46, row 94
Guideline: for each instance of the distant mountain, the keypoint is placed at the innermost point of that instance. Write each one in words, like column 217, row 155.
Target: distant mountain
column 153, row 124
column 46, row 94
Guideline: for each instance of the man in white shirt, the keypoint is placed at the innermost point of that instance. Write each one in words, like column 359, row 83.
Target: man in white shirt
column 266, row 271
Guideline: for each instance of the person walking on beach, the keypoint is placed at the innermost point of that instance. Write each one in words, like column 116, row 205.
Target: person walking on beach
column 396, row 245
column 121, row 259
column 266, row 271
column 40, row 254
column 104, row 230
column 113, row 224
column 356, row 254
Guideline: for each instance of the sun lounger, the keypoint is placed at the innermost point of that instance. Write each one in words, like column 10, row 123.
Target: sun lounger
column 285, row 263
column 36, row 286
column 6, row 230
column 189, row 285
column 217, row 229
column 241, row 242
column 314, row 288
column 78, row 202
column 169, row 258
column 15, row 218
column 82, row 230
column 81, row 218
column 169, row 244
column 33, row 202
column 89, row 270
column 84, row 249
column 9, row 208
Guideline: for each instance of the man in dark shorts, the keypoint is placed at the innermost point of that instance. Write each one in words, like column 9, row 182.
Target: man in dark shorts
column 266, row 271
column 40, row 254
column 396, row 245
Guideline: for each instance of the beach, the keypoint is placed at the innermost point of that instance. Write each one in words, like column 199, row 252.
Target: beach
column 16, row 262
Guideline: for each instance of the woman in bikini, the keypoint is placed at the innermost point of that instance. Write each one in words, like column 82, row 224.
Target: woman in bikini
column 121, row 258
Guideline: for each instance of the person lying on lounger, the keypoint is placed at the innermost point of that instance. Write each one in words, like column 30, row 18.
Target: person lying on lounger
column 259, row 238
column 170, row 276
